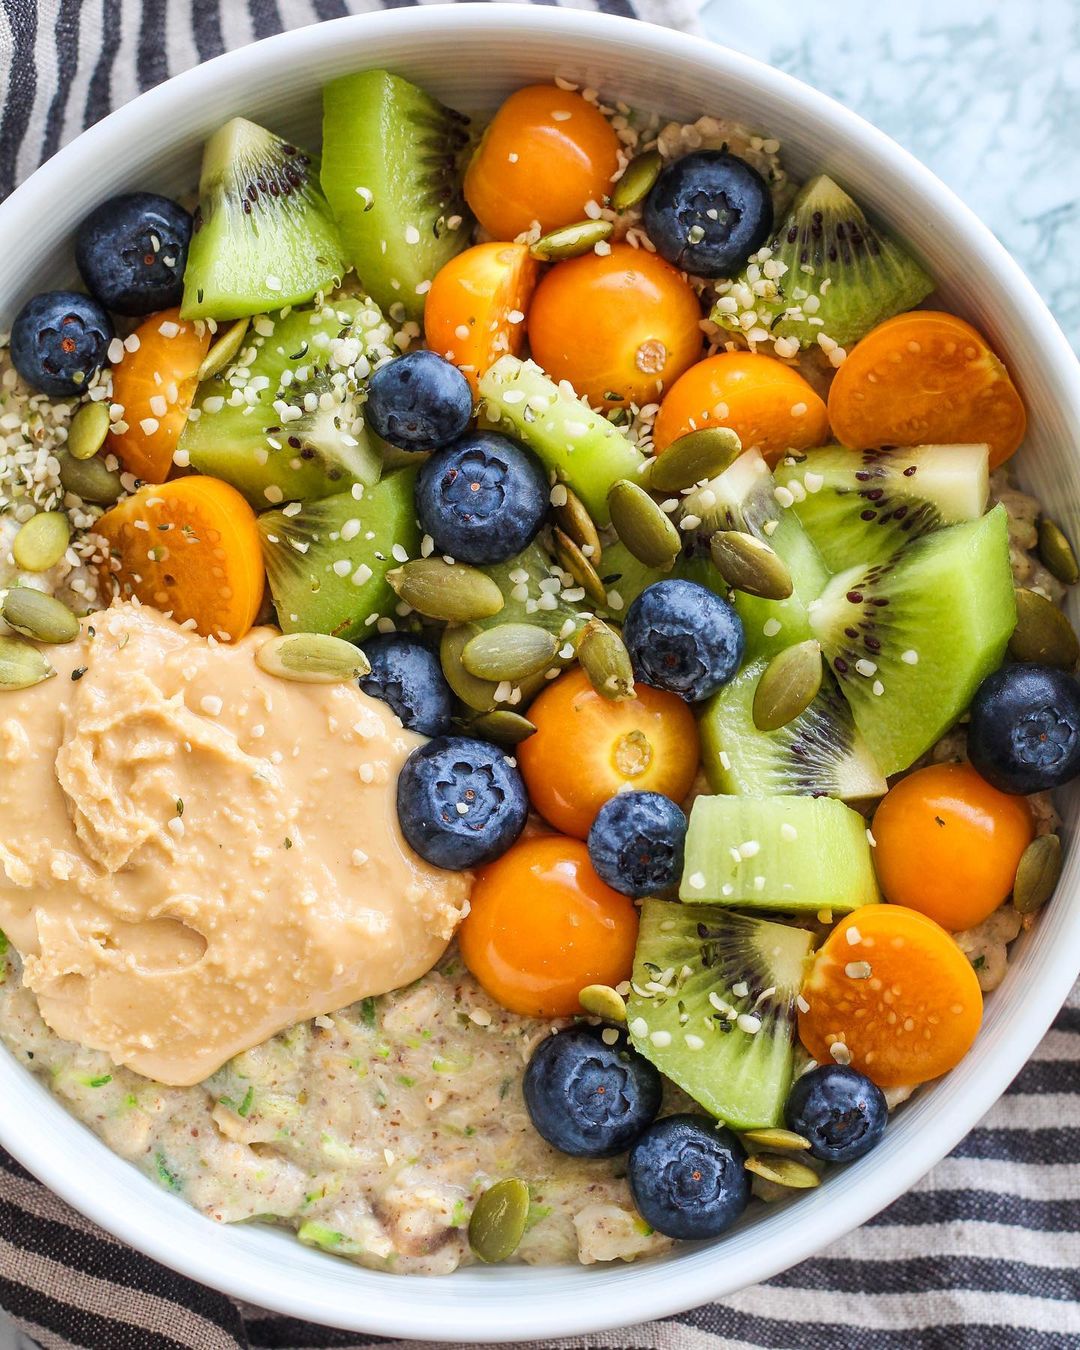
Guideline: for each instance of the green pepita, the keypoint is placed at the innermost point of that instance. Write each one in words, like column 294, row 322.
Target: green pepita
column 88, row 430
column 455, row 592
column 641, row 524
column 575, row 522
column 312, row 658
column 1057, row 554
column 498, row 1221
column 39, row 616
column 1037, row 874
column 579, row 567
column 570, row 241
column 788, row 685
column 1042, row 632
column 693, row 458
column 605, row 660
column 509, row 651
column 223, row 349
column 21, row 665
column 637, row 180
column 776, row 1139
column 600, row 1000
column 783, row 1171
column 42, row 541
column 503, row 727
column 476, row 694
column 91, row 480
column 748, row 564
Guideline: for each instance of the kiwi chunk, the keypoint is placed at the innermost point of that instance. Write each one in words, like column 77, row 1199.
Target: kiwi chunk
column 327, row 563
column 577, row 443
column 819, row 753
column 796, row 854
column 284, row 422
column 843, row 275
column 744, row 497
column 627, row 577
column 263, row 235
column 865, row 504
column 912, row 638
column 712, row 1005
column 393, row 161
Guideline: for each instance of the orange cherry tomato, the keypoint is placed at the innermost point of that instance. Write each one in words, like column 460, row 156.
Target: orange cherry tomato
column 544, row 155
column 769, row 405
column 948, row 844
column 586, row 748
column 896, row 990
column 467, row 315
column 542, row 926
column 926, row 377
column 155, row 385
column 621, row 328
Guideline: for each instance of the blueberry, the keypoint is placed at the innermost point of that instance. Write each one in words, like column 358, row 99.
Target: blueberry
column 688, row 1178
column 131, row 252
column 483, row 498
column 454, row 772
column 636, row 843
column 418, row 402
column 839, row 1110
column 683, row 638
column 708, row 212
column 59, row 340
column 406, row 673
column 589, row 1099
column 1024, row 733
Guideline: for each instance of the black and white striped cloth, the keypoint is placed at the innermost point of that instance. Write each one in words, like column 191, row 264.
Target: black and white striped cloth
column 983, row 1255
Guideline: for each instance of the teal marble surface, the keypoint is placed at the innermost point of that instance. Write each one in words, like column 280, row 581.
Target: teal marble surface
column 986, row 94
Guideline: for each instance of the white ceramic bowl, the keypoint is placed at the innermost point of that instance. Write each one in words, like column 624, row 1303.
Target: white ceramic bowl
column 472, row 56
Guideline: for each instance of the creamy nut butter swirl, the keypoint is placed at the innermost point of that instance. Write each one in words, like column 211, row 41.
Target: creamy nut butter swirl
column 195, row 855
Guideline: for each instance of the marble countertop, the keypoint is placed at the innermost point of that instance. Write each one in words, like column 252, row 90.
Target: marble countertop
column 987, row 95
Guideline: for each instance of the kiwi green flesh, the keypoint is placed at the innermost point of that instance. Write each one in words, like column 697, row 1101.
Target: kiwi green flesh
column 407, row 152
column 263, row 236
column 300, row 552
column 809, row 854
column 572, row 439
column 933, row 621
column 819, row 753
column 739, row 1077
column 865, row 504
column 321, row 354
column 843, row 274
column 627, row 577
column 743, row 497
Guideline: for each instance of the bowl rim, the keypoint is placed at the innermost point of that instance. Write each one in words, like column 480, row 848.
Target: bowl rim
column 657, row 1289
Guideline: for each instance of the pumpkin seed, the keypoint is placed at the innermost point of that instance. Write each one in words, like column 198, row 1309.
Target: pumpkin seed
column 498, row 1221
column 692, row 458
column 775, row 1139
column 579, row 567
column 451, row 591
column 510, row 651
column 1057, row 554
column 577, row 524
column 788, row 685
column 223, row 349
column 571, row 241
column 312, row 658
column 1037, row 874
column 39, row 616
column 637, row 180
column 503, row 727
column 748, row 564
column 605, row 660
column 42, row 541
column 89, row 479
column 642, row 525
column 21, row 665
column 602, row 1001
column 88, row 430
column 783, row 1171
column 1042, row 632
column 474, row 693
